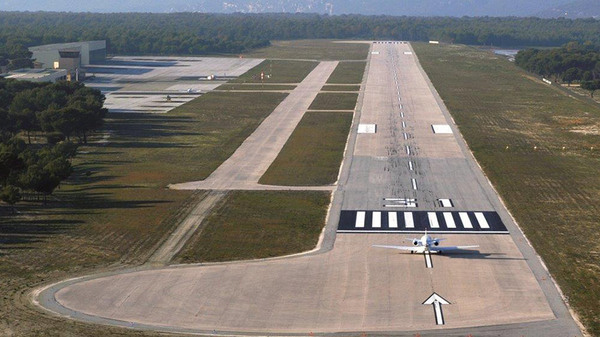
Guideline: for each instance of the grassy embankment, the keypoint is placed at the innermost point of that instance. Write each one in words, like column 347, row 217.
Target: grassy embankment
column 277, row 71
column 255, row 87
column 552, row 192
column 321, row 50
column 259, row 224
column 334, row 101
column 115, row 208
column 340, row 88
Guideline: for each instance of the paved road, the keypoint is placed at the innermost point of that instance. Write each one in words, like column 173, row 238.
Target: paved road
column 252, row 159
column 354, row 287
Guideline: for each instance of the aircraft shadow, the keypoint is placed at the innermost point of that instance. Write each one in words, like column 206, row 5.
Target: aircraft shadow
column 476, row 254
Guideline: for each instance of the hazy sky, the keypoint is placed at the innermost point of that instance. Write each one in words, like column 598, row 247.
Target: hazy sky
column 393, row 7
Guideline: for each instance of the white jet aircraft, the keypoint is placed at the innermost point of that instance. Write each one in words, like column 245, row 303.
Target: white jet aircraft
column 426, row 244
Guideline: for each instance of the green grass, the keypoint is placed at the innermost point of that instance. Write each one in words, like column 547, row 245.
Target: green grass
column 313, row 153
column 115, row 209
column 259, row 224
column 348, row 73
column 313, row 50
column 553, row 193
column 334, row 101
column 255, row 87
column 340, row 88
column 277, row 71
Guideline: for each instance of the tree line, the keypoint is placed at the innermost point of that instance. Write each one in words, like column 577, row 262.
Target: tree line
column 59, row 111
column 201, row 33
column 573, row 62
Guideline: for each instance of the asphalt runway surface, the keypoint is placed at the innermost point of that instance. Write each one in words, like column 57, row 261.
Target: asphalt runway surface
column 500, row 289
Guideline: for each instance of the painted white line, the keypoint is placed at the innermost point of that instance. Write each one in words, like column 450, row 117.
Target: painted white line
column 449, row 220
column 408, row 150
column 439, row 318
column 410, row 165
column 405, row 136
column 405, row 205
column 482, row 221
column 399, row 199
column 408, row 220
column 464, row 217
column 445, row 202
column 392, row 219
column 402, row 114
column 403, row 125
column 433, row 220
column 414, row 184
column 376, row 219
column 428, row 262
column 360, row 220
column 400, row 106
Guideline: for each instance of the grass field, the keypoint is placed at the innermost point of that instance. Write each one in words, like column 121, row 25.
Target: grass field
column 340, row 88
column 255, row 87
column 277, row 71
column 334, row 101
column 321, row 50
column 259, row 224
column 552, row 192
column 348, row 73
column 115, row 209
column 313, row 153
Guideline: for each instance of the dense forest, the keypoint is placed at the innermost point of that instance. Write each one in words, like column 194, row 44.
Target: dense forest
column 574, row 62
column 199, row 33
column 59, row 111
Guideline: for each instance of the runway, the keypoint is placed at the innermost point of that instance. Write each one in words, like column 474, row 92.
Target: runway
column 355, row 287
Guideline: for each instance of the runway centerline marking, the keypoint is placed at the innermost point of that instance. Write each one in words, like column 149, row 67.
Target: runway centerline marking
column 428, row 261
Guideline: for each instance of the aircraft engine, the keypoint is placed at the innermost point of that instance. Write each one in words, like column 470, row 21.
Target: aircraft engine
column 416, row 242
column 436, row 243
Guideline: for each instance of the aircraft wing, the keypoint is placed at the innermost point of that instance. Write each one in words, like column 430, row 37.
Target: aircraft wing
column 451, row 248
column 396, row 247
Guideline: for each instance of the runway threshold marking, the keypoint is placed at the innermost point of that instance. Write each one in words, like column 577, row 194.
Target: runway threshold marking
column 398, row 221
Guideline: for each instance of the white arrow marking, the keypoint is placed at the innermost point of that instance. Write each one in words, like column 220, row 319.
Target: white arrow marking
column 437, row 301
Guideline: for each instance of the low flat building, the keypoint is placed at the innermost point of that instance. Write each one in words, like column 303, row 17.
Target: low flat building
column 38, row 75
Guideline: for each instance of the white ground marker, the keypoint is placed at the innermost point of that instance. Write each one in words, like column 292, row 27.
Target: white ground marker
column 437, row 301
column 410, row 165
column 360, row 219
column 433, row 220
column 464, row 217
column 376, row 219
column 408, row 220
column 482, row 221
column 408, row 150
column 449, row 220
column 403, row 125
column 393, row 220
column 445, row 202
column 414, row 184
column 428, row 262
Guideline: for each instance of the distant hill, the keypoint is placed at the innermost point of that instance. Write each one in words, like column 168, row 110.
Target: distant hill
column 367, row 7
column 573, row 10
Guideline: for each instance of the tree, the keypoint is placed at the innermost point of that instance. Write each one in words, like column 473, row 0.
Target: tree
column 572, row 74
column 591, row 86
column 11, row 195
